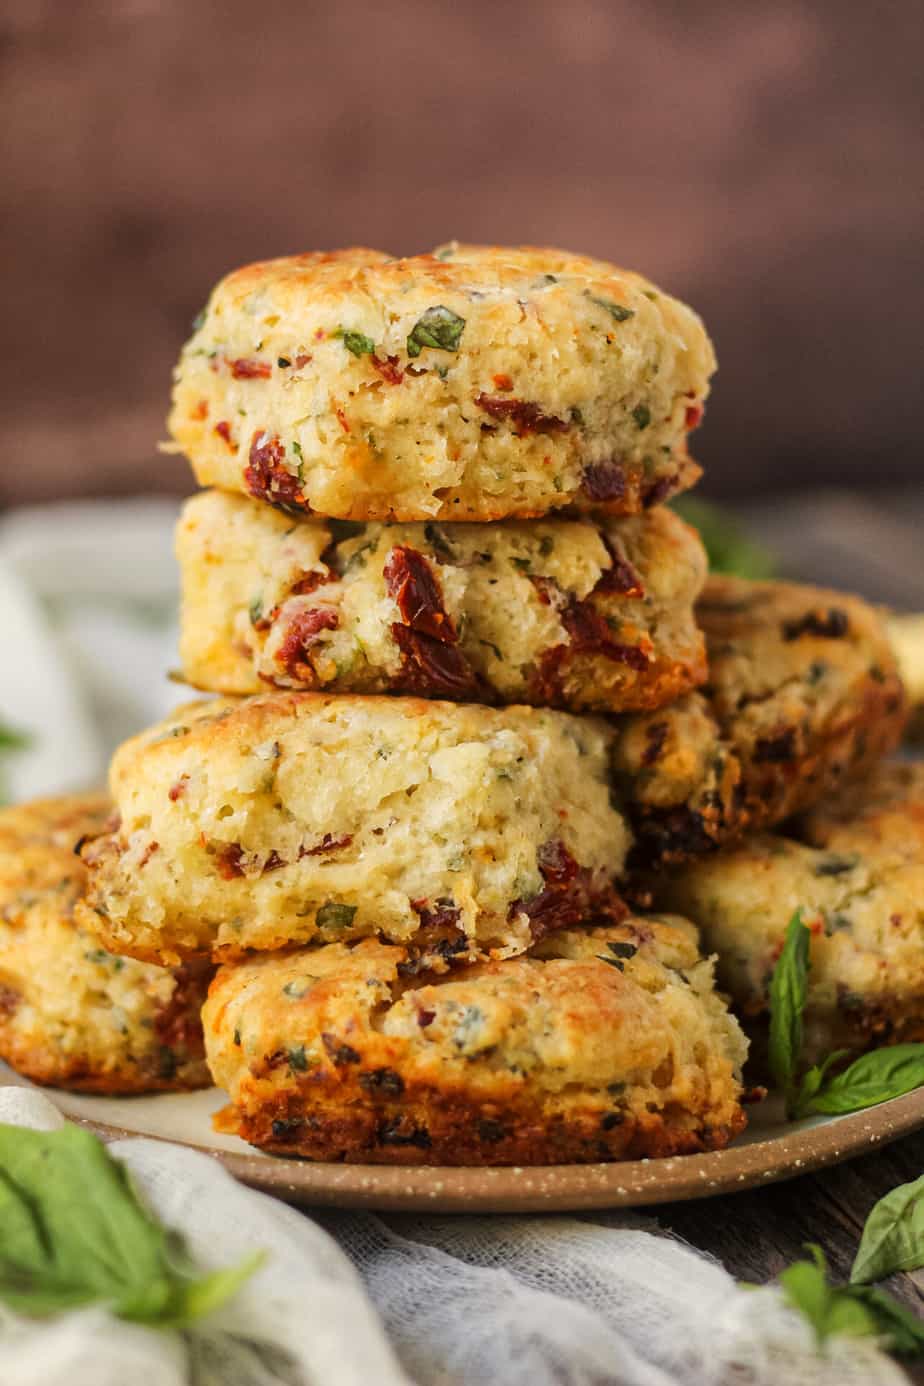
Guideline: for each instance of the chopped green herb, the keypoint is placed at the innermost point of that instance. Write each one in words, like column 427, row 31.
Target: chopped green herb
column 283, row 362
column 256, row 610
column 356, row 342
column 642, row 415
column 615, row 310
column 523, row 564
column 199, row 320
column 298, row 1060
column 546, row 545
column 335, row 916
column 296, row 989
column 439, row 328
column 237, row 1036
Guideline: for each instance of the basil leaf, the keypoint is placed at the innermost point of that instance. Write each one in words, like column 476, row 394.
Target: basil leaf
column 13, row 740
column 788, row 991
column 73, row 1232
column 872, row 1078
column 899, row 1330
column 356, row 342
column 332, row 915
column 893, row 1237
column 438, row 327
column 812, row 1082
column 856, row 1311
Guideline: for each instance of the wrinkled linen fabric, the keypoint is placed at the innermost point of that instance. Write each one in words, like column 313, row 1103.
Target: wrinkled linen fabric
column 87, row 617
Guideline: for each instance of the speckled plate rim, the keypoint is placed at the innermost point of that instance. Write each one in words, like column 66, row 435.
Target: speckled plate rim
column 797, row 1149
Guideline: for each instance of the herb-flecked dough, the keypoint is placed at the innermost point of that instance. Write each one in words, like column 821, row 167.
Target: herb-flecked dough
column 476, row 383
column 581, row 614
column 72, row 1014
column 854, row 866
column 600, row 1044
column 295, row 818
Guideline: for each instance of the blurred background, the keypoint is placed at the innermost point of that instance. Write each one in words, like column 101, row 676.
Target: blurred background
column 762, row 161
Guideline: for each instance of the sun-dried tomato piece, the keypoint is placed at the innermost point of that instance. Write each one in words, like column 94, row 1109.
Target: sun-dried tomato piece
column 692, row 416
column 659, row 491
column 311, row 581
column 605, row 481
column 620, row 577
column 569, row 903
column 303, row 631
column 655, row 737
column 177, row 1024
column 178, row 789
column 412, row 583
column 590, row 634
column 556, row 863
column 223, row 429
column 431, row 667
column 228, row 858
column 244, row 369
column 525, row 416
column 10, row 1001
column 266, row 475
column 442, row 914
column 328, row 843
column 388, row 368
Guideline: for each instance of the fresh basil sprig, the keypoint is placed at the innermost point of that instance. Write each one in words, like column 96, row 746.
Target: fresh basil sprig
column 893, row 1237
column 857, row 1311
column 788, row 993
column 872, row 1078
column 825, row 1088
column 73, row 1232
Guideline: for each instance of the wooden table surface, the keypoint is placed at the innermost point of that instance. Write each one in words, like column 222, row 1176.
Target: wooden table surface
column 759, row 1233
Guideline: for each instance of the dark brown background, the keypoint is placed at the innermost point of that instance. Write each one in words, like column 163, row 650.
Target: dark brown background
column 763, row 161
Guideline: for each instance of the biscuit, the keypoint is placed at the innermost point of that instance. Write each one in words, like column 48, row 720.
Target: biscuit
column 602, row 1044
column 802, row 692
column 71, row 1014
column 574, row 614
column 459, row 830
column 476, row 383
column 854, row 866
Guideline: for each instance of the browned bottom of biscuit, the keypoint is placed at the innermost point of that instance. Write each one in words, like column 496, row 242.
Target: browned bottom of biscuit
column 431, row 1127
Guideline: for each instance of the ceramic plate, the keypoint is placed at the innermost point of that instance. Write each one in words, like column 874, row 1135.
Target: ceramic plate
column 771, row 1149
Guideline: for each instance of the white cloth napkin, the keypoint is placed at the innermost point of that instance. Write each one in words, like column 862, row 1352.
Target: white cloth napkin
column 87, row 624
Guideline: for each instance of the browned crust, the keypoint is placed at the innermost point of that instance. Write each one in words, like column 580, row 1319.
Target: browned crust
column 51, row 1070
column 436, row 1126
column 755, row 794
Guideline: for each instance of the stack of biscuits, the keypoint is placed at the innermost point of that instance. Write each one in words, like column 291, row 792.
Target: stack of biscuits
column 475, row 693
